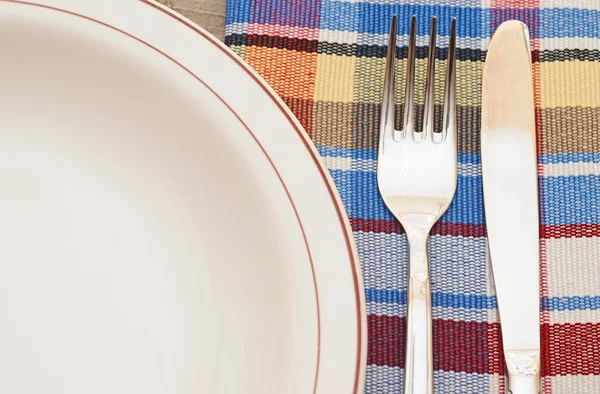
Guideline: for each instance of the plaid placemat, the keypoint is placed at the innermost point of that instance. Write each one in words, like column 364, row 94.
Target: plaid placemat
column 326, row 60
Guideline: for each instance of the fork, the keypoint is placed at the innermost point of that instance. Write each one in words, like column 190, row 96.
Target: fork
column 417, row 175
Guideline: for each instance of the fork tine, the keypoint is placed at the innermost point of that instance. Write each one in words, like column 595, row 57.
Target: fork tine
column 449, row 117
column 388, row 103
column 429, row 97
column 409, row 95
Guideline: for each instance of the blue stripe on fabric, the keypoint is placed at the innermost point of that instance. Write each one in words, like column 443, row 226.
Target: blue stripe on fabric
column 341, row 16
column 575, row 157
column 360, row 195
column 375, row 18
column 571, row 303
column 464, row 158
column 280, row 12
column 445, row 300
column 474, row 301
column 346, row 152
column 569, row 22
column 566, row 199
column 237, row 11
column 570, row 200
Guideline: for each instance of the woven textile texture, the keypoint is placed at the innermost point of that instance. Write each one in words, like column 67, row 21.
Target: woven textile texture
column 325, row 58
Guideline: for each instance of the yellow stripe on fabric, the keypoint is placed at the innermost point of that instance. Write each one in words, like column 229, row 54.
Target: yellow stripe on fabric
column 239, row 50
column 335, row 78
column 370, row 72
column 570, row 84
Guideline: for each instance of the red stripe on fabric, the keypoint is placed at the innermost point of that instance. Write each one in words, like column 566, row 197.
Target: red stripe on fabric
column 394, row 227
column 545, row 349
column 570, row 231
column 475, row 230
column 458, row 346
column 571, row 349
column 291, row 43
column 303, row 110
column 386, row 340
column 461, row 346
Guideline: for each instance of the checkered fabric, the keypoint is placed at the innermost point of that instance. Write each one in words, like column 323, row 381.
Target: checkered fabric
column 325, row 58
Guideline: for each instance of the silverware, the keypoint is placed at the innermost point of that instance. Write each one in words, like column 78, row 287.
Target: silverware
column 417, row 174
column 509, row 167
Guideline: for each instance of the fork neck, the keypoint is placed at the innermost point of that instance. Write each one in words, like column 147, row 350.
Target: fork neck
column 417, row 225
column 417, row 241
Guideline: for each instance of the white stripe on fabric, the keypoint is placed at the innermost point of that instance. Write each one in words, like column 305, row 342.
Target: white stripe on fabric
column 466, row 169
column 384, row 260
column 577, row 316
column 402, row 40
column 461, row 382
column 236, row 28
column 551, row 44
column 368, row 165
column 338, row 36
column 469, row 169
column 338, row 163
column 441, row 313
column 572, row 265
column 463, row 3
column 384, row 309
column 344, row 37
column 462, row 314
column 575, row 384
column 581, row 4
column 457, row 264
column 571, row 169
column 384, row 380
column 350, row 164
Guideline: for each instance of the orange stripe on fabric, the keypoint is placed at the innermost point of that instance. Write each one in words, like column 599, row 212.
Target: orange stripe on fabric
column 290, row 73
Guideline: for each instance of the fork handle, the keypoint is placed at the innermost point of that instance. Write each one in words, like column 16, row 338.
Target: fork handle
column 524, row 384
column 418, row 366
column 523, row 370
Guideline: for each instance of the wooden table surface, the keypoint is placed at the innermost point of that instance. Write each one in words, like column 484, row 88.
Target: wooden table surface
column 209, row 14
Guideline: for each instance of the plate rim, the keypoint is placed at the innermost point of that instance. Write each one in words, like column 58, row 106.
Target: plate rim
column 342, row 216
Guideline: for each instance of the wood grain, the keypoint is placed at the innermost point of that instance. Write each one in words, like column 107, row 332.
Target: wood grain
column 209, row 14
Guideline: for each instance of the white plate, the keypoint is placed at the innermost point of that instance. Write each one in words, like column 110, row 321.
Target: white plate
column 165, row 225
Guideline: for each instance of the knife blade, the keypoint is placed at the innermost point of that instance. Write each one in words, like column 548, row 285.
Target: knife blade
column 510, row 188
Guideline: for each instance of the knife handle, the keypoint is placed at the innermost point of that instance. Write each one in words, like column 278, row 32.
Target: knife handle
column 418, row 366
column 523, row 371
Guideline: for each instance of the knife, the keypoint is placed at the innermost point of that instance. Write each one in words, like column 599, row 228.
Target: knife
column 509, row 169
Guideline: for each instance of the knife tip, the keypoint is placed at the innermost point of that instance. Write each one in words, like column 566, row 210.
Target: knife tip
column 512, row 27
